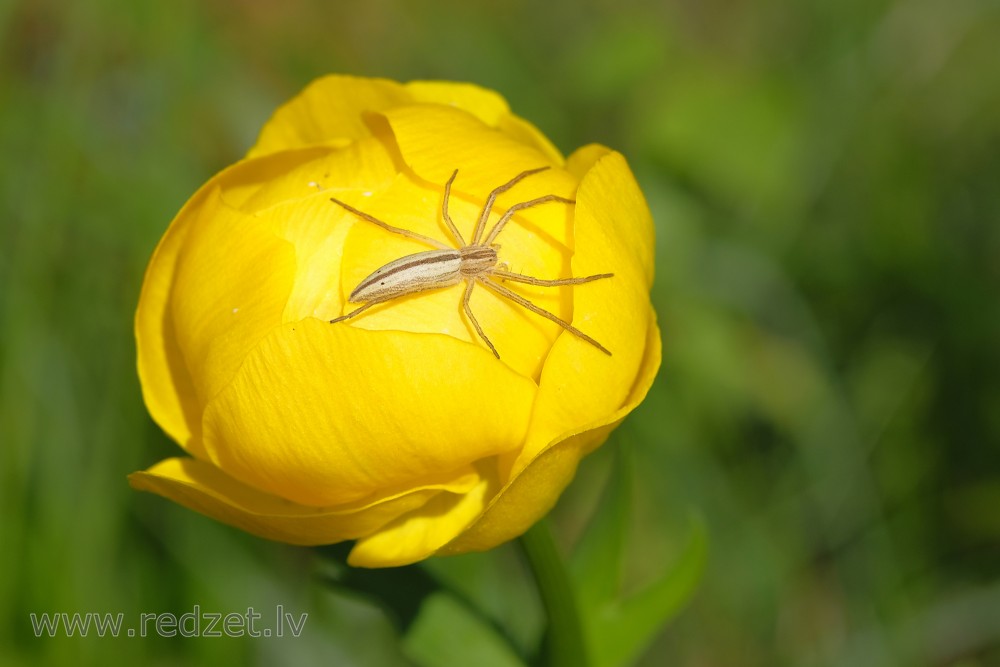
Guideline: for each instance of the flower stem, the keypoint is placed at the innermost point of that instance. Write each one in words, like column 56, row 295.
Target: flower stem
column 564, row 638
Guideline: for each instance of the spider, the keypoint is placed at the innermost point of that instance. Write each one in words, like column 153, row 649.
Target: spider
column 475, row 263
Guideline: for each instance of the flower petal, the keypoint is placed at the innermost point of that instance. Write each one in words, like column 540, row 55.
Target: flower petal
column 580, row 384
column 326, row 414
column 297, row 207
column 328, row 110
column 532, row 492
column 365, row 165
column 421, row 532
column 584, row 158
column 526, row 133
column 231, row 285
column 241, row 182
column 317, row 229
column 486, row 105
column 435, row 140
column 615, row 197
column 200, row 486
column 167, row 387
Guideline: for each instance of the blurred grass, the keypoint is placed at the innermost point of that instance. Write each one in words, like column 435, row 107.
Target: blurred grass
column 824, row 178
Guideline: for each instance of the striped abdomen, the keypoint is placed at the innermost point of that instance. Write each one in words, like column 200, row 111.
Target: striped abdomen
column 413, row 273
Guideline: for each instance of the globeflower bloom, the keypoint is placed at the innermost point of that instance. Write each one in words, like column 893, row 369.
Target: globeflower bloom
column 399, row 428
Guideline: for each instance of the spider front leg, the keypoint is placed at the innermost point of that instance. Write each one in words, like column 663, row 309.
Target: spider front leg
column 457, row 235
column 434, row 243
column 509, row 213
column 491, row 199
column 359, row 310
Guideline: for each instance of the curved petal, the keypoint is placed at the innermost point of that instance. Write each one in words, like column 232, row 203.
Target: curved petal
column 202, row 487
column 241, row 182
column 613, row 234
column 317, row 230
column 526, row 133
column 486, row 105
column 167, row 388
column 326, row 414
column 231, row 285
column 615, row 198
column 297, row 207
column 531, row 493
column 435, row 140
column 365, row 164
column 584, row 158
column 328, row 110
column 423, row 531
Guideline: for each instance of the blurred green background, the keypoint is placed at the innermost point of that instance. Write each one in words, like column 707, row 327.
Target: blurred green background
column 825, row 178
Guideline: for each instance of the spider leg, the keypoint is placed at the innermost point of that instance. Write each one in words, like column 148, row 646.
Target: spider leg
column 358, row 311
column 472, row 318
column 497, row 228
column 520, row 300
column 529, row 280
column 447, row 217
column 484, row 216
column 389, row 228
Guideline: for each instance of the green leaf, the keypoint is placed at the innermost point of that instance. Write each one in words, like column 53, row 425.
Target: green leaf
column 564, row 641
column 499, row 586
column 628, row 627
column 617, row 628
column 596, row 564
column 447, row 634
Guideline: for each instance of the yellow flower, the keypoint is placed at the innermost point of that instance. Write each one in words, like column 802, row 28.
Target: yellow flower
column 399, row 428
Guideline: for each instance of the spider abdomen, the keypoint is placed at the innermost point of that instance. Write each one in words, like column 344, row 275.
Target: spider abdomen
column 420, row 271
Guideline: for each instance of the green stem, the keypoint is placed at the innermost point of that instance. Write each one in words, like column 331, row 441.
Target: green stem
column 565, row 633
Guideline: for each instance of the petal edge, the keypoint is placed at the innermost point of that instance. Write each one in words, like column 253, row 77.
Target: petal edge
column 202, row 487
column 534, row 491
